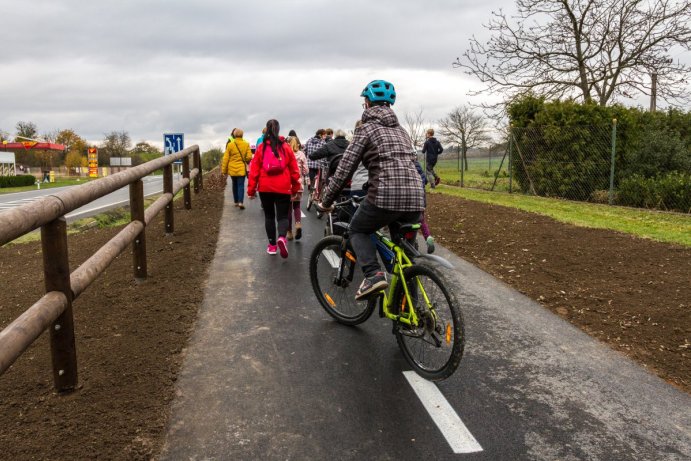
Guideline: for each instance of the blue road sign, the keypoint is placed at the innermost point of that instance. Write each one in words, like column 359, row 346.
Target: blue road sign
column 173, row 142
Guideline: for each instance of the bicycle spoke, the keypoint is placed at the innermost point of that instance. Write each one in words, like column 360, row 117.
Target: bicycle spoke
column 434, row 347
column 333, row 288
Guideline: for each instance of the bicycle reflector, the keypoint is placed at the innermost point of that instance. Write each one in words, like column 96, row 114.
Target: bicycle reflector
column 331, row 301
column 409, row 235
column 448, row 333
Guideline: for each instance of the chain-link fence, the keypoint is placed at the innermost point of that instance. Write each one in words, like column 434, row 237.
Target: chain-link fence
column 572, row 162
column 577, row 162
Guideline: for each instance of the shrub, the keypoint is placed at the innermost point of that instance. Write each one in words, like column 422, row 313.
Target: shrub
column 563, row 148
column 671, row 191
column 600, row 196
column 211, row 159
column 17, row 181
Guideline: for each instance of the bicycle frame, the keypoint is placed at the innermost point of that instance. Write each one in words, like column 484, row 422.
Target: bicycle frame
column 401, row 262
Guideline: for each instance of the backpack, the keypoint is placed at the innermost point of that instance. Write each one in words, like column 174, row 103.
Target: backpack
column 271, row 164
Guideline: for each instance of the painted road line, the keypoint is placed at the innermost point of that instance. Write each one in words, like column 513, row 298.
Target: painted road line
column 444, row 416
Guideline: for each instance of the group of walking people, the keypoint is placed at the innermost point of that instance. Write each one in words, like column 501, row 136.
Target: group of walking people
column 378, row 163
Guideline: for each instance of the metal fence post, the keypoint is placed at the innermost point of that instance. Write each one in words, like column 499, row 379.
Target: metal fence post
column 56, row 270
column 489, row 163
column 611, row 168
column 139, row 244
column 186, row 191
column 510, row 159
column 168, row 189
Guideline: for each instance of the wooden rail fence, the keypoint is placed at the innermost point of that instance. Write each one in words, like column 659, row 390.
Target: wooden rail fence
column 54, row 309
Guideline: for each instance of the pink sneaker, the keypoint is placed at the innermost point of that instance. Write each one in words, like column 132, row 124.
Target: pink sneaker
column 271, row 249
column 282, row 247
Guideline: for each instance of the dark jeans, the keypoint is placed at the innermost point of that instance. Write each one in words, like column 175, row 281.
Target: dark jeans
column 238, row 188
column 276, row 207
column 368, row 219
column 431, row 174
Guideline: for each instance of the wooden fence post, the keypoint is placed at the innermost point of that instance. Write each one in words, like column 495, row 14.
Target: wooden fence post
column 56, row 270
column 196, row 164
column 186, row 191
column 198, row 156
column 168, row 189
column 139, row 244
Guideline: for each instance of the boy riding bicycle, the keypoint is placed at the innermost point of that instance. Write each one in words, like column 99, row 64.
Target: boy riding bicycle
column 395, row 190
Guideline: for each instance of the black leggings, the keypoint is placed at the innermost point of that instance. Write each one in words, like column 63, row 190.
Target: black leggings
column 276, row 208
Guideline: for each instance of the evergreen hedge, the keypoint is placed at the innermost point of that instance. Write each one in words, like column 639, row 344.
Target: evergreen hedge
column 17, row 181
column 566, row 152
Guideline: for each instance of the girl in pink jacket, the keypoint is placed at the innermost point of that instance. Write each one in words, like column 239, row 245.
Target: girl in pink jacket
column 274, row 173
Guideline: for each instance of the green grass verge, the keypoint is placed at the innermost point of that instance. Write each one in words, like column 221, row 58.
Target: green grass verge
column 480, row 173
column 50, row 185
column 655, row 225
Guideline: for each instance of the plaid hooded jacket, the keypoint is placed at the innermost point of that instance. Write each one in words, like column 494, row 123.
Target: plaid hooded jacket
column 313, row 144
column 386, row 150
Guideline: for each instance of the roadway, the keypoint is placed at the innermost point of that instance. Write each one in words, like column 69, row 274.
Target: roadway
column 152, row 185
column 269, row 375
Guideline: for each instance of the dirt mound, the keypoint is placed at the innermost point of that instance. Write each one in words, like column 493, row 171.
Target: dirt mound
column 629, row 292
column 130, row 342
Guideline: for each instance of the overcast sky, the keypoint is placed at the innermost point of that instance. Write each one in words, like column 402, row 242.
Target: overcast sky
column 203, row 67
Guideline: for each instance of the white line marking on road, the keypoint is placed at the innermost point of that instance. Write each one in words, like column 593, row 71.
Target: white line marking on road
column 443, row 414
column 302, row 214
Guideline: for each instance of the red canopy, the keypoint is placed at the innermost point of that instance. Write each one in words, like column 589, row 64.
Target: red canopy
column 31, row 145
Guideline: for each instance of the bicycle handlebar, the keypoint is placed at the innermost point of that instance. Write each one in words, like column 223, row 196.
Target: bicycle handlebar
column 354, row 200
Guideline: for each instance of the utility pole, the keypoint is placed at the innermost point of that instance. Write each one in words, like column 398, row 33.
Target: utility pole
column 653, row 93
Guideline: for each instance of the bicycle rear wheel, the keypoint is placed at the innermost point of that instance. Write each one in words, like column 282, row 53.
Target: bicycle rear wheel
column 336, row 293
column 310, row 201
column 433, row 349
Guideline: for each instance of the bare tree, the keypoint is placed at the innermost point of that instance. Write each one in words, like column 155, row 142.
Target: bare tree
column 596, row 50
column 464, row 128
column 26, row 131
column 115, row 144
column 414, row 124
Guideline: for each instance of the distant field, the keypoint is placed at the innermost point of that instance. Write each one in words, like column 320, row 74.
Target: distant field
column 480, row 172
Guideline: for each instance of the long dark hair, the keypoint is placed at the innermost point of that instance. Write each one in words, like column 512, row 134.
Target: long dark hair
column 272, row 128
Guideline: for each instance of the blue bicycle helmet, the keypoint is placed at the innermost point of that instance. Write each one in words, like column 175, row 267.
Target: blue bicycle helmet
column 380, row 90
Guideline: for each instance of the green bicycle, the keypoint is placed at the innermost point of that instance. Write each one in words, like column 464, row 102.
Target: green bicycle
column 426, row 316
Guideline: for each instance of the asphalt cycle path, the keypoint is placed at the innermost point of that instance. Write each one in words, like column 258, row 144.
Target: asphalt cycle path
column 152, row 185
column 269, row 375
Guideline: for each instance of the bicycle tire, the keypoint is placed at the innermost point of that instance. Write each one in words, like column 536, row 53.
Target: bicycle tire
column 338, row 301
column 431, row 361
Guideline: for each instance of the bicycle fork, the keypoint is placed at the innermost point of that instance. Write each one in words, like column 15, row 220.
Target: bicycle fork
column 346, row 269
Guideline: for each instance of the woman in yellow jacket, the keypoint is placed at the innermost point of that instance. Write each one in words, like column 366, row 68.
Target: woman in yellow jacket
column 235, row 164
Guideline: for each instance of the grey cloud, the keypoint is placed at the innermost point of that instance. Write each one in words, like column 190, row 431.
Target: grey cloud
column 203, row 67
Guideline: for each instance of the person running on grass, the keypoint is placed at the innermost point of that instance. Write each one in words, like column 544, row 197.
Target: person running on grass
column 432, row 149
column 395, row 190
column 274, row 174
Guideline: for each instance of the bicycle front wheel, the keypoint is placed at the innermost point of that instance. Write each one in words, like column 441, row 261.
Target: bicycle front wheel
column 335, row 279
column 435, row 347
